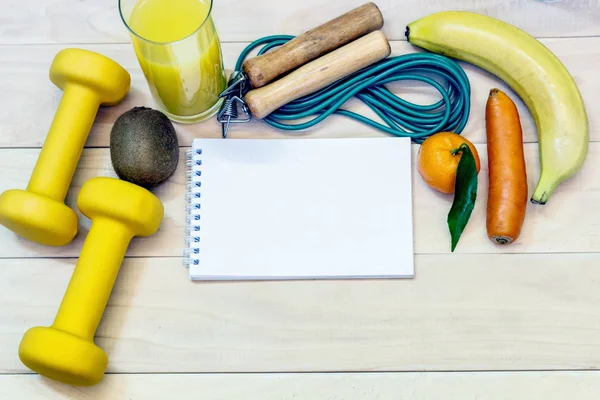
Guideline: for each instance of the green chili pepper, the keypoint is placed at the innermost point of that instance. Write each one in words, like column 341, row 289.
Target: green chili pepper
column 465, row 193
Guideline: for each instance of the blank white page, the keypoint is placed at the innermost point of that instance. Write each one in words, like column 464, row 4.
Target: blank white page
column 304, row 209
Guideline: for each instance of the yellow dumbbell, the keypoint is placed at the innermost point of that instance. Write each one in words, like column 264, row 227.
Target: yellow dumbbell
column 66, row 351
column 88, row 80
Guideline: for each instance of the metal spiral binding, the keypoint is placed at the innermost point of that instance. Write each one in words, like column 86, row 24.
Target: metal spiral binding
column 192, row 207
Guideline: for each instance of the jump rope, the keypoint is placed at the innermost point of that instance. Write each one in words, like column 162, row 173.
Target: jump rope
column 401, row 118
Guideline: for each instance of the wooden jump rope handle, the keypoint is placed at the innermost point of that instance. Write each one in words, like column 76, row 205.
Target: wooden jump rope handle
column 319, row 73
column 312, row 44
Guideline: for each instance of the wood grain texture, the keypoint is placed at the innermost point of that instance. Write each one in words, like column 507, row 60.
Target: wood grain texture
column 312, row 44
column 462, row 312
column 98, row 21
column 354, row 386
column 29, row 100
column 559, row 226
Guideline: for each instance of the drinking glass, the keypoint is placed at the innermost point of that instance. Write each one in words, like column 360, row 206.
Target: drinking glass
column 178, row 49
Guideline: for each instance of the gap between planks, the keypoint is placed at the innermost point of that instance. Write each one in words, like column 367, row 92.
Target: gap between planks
column 240, row 41
column 167, row 257
column 331, row 373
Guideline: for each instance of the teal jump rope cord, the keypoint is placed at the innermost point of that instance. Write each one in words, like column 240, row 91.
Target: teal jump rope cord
column 402, row 118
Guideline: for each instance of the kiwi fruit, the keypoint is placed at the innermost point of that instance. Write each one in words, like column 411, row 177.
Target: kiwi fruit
column 143, row 147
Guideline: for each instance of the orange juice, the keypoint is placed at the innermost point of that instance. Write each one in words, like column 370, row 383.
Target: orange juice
column 178, row 49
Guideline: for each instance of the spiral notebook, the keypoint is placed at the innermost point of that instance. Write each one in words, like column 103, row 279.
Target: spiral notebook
column 266, row 209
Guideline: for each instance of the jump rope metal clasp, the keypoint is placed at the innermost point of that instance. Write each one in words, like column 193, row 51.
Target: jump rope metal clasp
column 234, row 102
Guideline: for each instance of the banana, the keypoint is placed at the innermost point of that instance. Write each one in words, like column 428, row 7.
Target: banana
column 535, row 74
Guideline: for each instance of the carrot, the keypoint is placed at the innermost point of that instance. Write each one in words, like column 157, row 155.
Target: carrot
column 507, row 193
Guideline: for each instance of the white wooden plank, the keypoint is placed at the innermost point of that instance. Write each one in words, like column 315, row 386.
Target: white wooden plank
column 462, row 312
column 98, row 21
column 380, row 386
column 565, row 224
column 29, row 100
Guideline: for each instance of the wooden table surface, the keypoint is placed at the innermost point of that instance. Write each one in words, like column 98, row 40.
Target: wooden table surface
column 521, row 322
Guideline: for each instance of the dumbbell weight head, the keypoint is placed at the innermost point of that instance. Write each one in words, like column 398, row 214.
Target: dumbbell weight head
column 66, row 351
column 62, row 356
column 128, row 204
column 104, row 77
column 88, row 80
column 37, row 218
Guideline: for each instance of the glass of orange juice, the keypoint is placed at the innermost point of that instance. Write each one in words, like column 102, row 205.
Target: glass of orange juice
column 178, row 49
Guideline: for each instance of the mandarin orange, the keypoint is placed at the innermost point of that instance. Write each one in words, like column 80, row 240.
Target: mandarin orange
column 437, row 162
